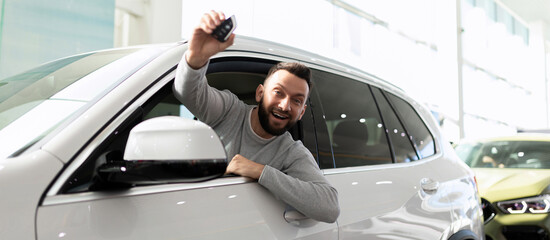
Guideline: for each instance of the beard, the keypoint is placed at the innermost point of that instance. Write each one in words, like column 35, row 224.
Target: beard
column 263, row 115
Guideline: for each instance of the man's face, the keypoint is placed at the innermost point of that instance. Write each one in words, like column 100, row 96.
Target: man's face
column 282, row 101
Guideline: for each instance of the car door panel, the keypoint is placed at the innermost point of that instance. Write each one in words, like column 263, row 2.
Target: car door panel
column 220, row 211
column 388, row 203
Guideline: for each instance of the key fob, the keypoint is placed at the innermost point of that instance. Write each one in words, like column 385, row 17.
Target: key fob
column 224, row 30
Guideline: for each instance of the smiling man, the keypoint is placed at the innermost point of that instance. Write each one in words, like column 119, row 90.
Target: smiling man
column 282, row 98
column 255, row 136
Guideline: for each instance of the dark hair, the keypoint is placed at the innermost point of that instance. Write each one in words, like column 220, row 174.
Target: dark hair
column 298, row 69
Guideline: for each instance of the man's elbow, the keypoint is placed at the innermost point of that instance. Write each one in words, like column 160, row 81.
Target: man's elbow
column 331, row 208
column 331, row 215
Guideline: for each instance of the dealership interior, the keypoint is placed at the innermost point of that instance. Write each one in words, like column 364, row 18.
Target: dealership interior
column 427, row 119
column 481, row 66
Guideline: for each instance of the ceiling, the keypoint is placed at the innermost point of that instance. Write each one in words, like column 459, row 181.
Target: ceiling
column 532, row 11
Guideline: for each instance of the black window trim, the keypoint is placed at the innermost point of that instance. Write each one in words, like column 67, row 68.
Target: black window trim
column 390, row 143
column 399, row 118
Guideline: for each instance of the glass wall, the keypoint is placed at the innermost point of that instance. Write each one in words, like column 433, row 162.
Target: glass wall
column 35, row 31
column 503, row 72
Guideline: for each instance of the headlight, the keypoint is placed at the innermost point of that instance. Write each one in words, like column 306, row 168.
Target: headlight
column 540, row 204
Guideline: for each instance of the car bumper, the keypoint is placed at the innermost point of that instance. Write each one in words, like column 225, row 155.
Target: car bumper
column 518, row 226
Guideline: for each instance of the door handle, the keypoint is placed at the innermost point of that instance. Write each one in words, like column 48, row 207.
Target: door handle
column 298, row 219
column 429, row 185
column 293, row 216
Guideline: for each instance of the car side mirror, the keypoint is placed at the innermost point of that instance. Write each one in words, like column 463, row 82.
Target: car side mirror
column 167, row 149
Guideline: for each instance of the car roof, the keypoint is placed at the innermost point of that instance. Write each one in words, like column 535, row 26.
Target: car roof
column 257, row 45
column 538, row 137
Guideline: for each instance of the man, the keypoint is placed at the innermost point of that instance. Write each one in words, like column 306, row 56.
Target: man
column 256, row 137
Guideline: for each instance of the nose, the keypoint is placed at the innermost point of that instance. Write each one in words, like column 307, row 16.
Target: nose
column 284, row 104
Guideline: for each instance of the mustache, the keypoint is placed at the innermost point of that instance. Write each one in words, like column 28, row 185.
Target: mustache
column 280, row 110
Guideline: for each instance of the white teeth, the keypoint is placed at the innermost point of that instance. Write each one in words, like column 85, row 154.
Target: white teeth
column 279, row 116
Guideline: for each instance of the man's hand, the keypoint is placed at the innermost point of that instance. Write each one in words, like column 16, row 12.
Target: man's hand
column 242, row 166
column 202, row 45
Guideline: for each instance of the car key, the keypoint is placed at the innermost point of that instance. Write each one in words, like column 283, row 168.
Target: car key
column 224, row 30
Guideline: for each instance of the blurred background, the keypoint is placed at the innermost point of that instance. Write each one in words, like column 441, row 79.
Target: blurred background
column 481, row 66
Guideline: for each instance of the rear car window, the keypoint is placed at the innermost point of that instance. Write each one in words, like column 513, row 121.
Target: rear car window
column 352, row 120
column 367, row 125
column 418, row 133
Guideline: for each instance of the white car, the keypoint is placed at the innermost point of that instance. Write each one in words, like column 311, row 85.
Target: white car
column 95, row 146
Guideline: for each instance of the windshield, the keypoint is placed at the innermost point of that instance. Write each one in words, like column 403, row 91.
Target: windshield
column 34, row 103
column 506, row 154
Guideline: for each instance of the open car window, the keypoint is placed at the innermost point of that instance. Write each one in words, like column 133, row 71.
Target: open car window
column 240, row 76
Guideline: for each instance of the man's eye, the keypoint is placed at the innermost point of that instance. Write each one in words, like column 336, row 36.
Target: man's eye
column 297, row 101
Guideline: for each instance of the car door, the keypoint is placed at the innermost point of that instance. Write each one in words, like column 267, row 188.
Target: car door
column 78, row 206
column 381, row 169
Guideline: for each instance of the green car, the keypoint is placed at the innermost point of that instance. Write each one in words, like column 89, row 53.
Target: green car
column 513, row 176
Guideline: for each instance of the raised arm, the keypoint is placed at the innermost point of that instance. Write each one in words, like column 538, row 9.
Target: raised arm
column 190, row 85
column 202, row 45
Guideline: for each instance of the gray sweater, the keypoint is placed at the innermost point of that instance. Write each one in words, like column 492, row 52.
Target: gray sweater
column 290, row 171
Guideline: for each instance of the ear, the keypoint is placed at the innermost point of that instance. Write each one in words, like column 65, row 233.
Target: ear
column 303, row 111
column 259, row 92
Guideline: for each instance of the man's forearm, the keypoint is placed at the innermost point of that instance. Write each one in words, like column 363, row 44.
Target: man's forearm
column 244, row 167
column 186, row 83
column 315, row 199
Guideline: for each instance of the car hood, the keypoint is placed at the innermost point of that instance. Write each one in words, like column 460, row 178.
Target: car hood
column 502, row 184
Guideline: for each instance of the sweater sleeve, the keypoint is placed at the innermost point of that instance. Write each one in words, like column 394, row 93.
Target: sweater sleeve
column 191, row 87
column 303, row 186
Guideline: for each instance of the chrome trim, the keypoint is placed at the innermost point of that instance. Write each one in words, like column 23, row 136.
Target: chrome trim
column 143, row 190
column 427, row 160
